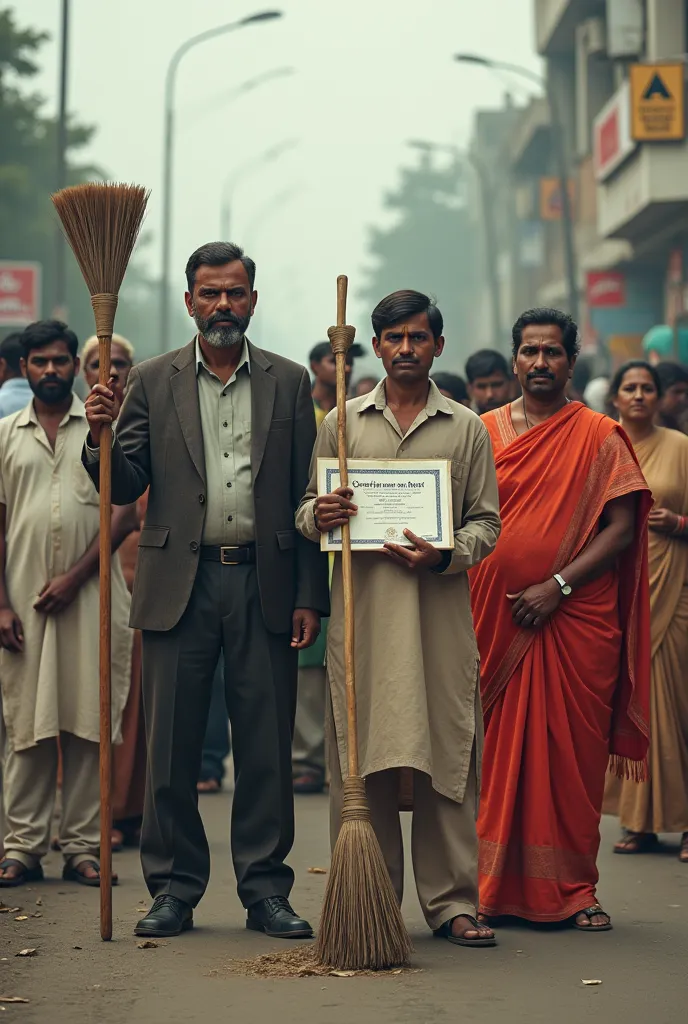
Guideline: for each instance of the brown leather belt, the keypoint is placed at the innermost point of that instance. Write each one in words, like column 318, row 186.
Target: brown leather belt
column 229, row 555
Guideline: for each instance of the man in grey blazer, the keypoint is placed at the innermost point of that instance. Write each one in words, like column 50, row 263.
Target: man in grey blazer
column 222, row 434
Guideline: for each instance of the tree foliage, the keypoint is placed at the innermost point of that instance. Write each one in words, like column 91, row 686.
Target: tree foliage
column 28, row 174
column 430, row 246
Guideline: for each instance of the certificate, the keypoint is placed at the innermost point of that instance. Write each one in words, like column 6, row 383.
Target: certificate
column 392, row 495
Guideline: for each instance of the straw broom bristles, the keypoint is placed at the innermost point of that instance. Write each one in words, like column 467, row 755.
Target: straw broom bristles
column 361, row 925
column 102, row 223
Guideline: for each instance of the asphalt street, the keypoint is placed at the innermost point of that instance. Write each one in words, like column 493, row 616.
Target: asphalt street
column 535, row 975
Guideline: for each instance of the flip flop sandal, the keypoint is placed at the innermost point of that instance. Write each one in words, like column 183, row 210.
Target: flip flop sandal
column 25, row 875
column 72, row 874
column 636, row 842
column 445, row 932
column 591, row 912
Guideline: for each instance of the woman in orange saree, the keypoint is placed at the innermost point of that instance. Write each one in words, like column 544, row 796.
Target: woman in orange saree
column 560, row 698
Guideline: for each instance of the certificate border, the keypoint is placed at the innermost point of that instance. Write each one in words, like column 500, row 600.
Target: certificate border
column 333, row 471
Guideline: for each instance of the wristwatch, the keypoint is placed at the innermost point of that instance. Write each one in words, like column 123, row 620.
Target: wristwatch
column 566, row 588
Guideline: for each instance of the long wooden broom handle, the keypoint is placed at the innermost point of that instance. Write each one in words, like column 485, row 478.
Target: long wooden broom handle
column 347, row 578
column 105, row 657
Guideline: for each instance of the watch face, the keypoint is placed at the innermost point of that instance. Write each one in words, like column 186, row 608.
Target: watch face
column 566, row 590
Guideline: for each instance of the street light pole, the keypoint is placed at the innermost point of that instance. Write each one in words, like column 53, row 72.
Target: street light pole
column 561, row 162
column 60, row 282
column 168, row 148
column 267, row 156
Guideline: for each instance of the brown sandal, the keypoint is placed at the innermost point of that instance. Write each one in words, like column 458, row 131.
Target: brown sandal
column 636, row 842
column 591, row 912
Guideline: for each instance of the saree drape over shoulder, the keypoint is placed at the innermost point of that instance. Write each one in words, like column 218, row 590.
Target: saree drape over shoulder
column 661, row 803
column 560, row 700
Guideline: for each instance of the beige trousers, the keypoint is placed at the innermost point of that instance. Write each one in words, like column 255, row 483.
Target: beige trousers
column 444, row 842
column 308, row 748
column 30, row 786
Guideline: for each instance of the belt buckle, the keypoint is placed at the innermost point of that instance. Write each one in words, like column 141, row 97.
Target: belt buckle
column 224, row 560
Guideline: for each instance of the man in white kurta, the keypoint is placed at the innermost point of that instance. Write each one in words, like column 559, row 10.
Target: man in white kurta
column 416, row 657
column 50, row 687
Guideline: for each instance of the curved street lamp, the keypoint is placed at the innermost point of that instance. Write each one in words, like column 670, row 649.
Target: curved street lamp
column 560, row 157
column 231, row 182
column 168, row 145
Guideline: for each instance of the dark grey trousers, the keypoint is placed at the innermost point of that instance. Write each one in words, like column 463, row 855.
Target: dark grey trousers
column 223, row 614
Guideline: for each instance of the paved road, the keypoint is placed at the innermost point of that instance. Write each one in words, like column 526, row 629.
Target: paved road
column 535, row 975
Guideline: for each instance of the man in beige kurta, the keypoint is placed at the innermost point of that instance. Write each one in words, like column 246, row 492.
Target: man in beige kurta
column 50, row 679
column 416, row 656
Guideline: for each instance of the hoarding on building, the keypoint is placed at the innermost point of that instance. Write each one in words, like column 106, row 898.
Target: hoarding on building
column 20, row 289
column 612, row 138
column 550, row 198
column 657, row 102
column 605, row 289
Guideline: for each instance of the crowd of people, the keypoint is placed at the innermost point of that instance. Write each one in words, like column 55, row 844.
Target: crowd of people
column 509, row 688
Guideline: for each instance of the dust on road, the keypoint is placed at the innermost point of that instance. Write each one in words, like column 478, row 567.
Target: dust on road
column 534, row 975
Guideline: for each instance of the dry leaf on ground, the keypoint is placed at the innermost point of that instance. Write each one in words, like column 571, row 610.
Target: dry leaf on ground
column 77, row 947
column 13, row 999
column 342, row 974
column 147, row 944
column 27, row 952
column 39, row 903
column 591, row 981
column 317, row 871
column 22, row 917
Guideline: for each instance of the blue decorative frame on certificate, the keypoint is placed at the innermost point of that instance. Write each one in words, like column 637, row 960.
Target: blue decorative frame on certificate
column 332, row 473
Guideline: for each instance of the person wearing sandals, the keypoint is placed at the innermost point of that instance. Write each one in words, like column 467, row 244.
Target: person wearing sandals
column 563, row 625
column 661, row 803
column 49, row 524
column 418, row 701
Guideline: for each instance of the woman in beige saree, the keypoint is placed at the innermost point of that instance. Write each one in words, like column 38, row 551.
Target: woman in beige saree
column 661, row 804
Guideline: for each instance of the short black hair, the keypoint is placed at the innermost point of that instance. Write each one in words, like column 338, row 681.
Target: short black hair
column 44, row 332
column 451, row 382
column 216, row 254
column 668, row 374
column 11, row 351
column 633, row 364
column 400, row 305
column 545, row 317
column 486, row 362
column 323, row 348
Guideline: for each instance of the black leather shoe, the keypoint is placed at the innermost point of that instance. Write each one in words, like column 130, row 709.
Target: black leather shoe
column 168, row 916
column 275, row 917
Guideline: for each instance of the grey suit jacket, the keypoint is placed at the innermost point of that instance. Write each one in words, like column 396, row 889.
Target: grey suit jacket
column 159, row 444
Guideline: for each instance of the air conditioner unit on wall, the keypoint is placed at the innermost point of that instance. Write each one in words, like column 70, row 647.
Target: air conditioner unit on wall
column 625, row 28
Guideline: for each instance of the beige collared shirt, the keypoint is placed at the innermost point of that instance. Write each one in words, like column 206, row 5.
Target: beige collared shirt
column 226, row 425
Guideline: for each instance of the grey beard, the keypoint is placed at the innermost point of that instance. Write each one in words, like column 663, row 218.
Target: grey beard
column 223, row 335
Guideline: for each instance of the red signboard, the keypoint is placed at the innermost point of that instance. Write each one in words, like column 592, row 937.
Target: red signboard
column 605, row 288
column 20, row 287
column 612, row 134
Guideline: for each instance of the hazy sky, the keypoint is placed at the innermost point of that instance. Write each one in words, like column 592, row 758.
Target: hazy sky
column 369, row 74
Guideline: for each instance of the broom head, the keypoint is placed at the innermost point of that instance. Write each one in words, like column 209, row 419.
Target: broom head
column 361, row 927
column 102, row 222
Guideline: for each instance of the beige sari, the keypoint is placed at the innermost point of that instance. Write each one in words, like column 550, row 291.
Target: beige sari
column 661, row 804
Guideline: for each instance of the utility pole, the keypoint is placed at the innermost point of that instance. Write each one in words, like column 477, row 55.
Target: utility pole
column 60, row 278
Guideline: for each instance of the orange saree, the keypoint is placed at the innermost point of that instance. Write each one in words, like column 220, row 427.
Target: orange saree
column 559, row 701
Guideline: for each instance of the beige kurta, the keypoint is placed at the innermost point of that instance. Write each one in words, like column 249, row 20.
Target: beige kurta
column 416, row 655
column 51, row 520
